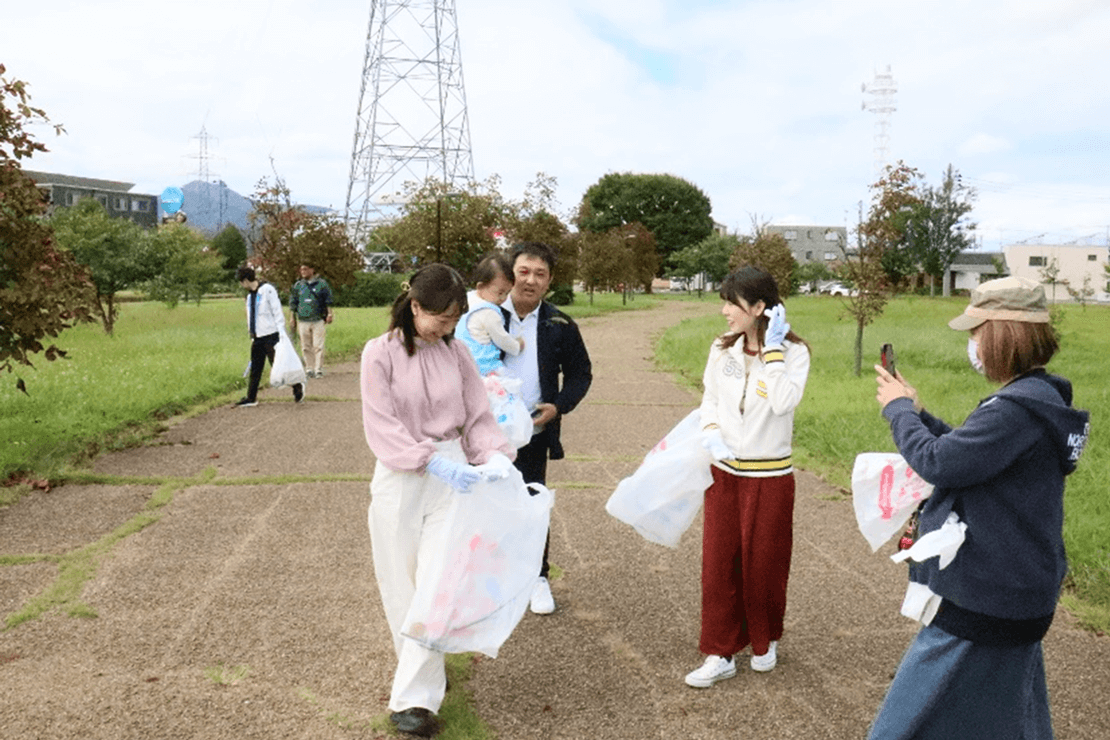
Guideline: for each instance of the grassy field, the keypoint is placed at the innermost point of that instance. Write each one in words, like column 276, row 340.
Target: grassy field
column 839, row 417
column 112, row 390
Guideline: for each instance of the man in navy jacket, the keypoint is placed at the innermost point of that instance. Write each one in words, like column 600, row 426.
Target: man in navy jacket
column 554, row 368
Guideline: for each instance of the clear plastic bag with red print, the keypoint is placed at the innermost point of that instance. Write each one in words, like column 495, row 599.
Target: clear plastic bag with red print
column 886, row 495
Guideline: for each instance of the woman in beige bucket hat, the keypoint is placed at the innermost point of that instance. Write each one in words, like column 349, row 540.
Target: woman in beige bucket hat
column 976, row 668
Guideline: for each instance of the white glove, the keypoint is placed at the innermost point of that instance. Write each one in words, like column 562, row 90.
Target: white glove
column 459, row 476
column 777, row 328
column 712, row 440
column 496, row 468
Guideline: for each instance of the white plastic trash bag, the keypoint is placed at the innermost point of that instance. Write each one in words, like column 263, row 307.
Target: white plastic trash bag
column 885, row 492
column 661, row 499
column 480, row 581
column 508, row 408
column 287, row 368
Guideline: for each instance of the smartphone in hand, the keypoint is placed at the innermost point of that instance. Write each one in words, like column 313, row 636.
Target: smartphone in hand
column 886, row 358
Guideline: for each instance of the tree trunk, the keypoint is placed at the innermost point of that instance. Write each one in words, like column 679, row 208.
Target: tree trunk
column 859, row 347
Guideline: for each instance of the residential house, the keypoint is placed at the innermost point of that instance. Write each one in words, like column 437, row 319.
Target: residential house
column 116, row 197
column 1058, row 266
column 971, row 268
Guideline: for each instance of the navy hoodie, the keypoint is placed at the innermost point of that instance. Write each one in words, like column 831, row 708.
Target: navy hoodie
column 1003, row 473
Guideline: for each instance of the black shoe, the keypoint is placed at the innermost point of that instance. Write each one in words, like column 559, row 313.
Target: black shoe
column 416, row 721
column 244, row 402
column 298, row 393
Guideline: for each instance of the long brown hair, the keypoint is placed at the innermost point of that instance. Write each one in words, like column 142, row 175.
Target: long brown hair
column 753, row 284
column 436, row 288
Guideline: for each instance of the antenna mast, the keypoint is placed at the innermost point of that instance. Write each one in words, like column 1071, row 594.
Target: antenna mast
column 412, row 122
column 882, row 90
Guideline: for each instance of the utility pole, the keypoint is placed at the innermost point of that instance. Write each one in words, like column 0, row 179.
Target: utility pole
column 412, row 122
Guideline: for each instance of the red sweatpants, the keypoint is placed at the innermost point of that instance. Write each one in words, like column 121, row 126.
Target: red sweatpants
column 746, row 548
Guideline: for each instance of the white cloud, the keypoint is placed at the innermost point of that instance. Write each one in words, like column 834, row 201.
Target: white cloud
column 763, row 112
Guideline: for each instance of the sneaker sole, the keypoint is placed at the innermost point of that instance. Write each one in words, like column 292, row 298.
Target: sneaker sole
column 763, row 667
column 705, row 683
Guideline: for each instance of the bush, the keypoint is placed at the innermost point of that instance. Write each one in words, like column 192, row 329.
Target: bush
column 562, row 295
column 370, row 289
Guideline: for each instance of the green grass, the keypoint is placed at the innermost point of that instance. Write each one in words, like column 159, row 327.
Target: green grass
column 839, row 417
column 112, row 391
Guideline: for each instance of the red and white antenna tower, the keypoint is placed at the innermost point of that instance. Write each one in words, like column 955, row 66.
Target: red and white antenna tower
column 882, row 90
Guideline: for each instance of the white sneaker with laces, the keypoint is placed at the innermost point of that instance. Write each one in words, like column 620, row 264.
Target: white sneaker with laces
column 542, row 600
column 767, row 661
column 714, row 669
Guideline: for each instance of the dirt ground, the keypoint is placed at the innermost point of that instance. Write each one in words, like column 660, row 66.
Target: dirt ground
column 249, row 608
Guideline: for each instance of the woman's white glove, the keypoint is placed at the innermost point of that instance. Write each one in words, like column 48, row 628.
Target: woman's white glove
column 459, row 476
column 712, row 440
column 496, row 468
column 777, row 328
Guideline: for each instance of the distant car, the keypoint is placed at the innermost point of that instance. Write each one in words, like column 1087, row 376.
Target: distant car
column 838, row 289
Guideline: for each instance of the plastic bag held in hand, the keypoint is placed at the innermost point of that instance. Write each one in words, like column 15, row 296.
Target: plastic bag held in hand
column 712, row 440
column 777, row 328
column 459, row 476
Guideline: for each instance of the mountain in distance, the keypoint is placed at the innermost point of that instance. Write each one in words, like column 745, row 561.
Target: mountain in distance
column 210, row 206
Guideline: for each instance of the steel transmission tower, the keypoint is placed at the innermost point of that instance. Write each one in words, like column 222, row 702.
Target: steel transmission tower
column 412, row 122
column 882, row 90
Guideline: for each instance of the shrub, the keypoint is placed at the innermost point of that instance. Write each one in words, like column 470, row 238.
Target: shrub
column 562, row 295
column 370, row 289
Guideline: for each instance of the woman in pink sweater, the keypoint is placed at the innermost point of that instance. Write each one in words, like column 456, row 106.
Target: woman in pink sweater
column 428, row 423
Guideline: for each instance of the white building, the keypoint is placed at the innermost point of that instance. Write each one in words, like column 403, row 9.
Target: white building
column 1074, row 265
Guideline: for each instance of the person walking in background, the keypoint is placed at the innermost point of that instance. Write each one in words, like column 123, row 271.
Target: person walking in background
column 482, row 328
column 265, row 322
column 310, row 305
column 976, row 668
column 552, row 347
column 754, row 379
column 428, row 423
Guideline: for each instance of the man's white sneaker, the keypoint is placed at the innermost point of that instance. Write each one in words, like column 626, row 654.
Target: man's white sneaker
column 714, row 669
column 767, row 661
column 542, row 600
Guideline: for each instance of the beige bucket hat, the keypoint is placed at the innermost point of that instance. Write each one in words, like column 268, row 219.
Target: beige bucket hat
column 1004, row 299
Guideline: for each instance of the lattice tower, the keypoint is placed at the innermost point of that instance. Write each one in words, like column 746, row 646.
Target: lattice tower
column 882, row 90
column 412, row 122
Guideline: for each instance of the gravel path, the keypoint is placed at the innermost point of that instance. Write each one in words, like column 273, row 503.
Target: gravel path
column 249, row 609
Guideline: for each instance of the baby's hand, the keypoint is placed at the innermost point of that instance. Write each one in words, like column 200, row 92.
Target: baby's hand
column 521, row 340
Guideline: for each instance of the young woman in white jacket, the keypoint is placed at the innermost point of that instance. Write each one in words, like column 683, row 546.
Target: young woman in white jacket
column 754, row 379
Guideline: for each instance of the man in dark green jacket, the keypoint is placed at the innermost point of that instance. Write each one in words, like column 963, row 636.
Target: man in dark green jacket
column 310, row 303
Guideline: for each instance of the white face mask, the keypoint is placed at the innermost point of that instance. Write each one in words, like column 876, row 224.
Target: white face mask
column 973, row 355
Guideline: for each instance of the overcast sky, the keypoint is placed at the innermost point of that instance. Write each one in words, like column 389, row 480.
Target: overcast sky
column 756, row 103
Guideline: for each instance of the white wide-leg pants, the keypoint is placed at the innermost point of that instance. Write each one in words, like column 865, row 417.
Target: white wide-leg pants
column 406, row 517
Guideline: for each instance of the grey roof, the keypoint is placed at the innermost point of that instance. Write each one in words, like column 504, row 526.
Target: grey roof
column 50, row 178
column 985, row 259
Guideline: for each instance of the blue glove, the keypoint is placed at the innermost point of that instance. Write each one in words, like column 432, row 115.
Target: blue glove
column 712, row 440
column 459, row 476
column 777, row 328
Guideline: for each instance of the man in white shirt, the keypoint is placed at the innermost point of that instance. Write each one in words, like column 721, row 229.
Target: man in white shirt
column 555, row 371
column 265, row 322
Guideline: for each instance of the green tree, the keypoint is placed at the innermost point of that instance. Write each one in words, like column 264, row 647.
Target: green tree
column 768, row 250
column 43, row 290
column 709, row 257
column 189, row 268
column 942, row 226
column 898, row 204
column 288, row 235
column 115, row 251
column 811, row 273
column 231, row 245
column 438, row 223
column 674, row 210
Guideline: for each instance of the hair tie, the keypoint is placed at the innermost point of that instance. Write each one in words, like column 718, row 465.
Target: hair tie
column 405, row 287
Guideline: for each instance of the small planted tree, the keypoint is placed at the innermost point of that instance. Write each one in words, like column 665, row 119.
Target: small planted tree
column 43, row 289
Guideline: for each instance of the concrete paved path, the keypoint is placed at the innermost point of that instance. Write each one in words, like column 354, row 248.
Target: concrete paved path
column 261, row 563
